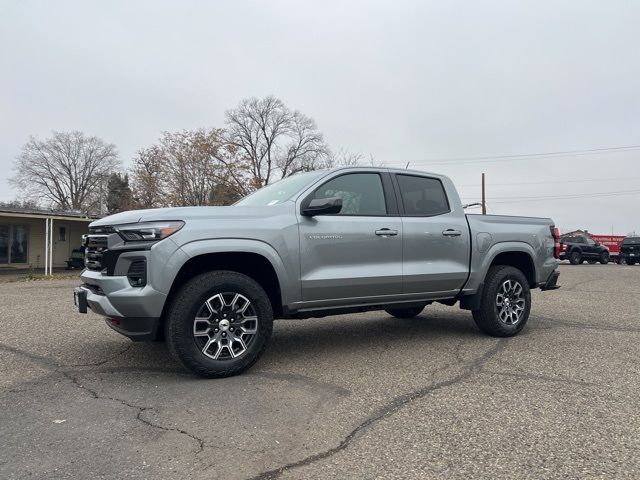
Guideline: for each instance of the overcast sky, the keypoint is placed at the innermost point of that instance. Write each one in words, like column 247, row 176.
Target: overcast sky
column 420, row 82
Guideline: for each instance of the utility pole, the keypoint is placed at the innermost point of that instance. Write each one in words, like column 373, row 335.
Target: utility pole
column 484, row 200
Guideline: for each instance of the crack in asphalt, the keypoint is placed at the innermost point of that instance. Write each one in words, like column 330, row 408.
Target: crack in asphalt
column 54, row 367
column 102, row 362
column 141, row 409
column 385, row 411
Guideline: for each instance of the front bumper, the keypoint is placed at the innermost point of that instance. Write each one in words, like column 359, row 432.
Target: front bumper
column 136, row 328
column 131, row 311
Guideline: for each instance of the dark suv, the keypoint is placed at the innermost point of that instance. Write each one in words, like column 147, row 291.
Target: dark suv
column 630, row 250
column 577, row 249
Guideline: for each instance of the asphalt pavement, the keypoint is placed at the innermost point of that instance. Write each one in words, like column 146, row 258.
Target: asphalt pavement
column 355, row 396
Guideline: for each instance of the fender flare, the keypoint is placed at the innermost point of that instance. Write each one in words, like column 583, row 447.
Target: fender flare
column 239, row 245
column 508, row 247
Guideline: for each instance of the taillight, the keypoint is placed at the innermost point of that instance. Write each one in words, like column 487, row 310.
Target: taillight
column 555, row 233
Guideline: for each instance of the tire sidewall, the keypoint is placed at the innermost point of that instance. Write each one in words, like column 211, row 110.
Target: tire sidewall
column 575, row 258
column 189, row 300
column 513, row 274
column 487, row 318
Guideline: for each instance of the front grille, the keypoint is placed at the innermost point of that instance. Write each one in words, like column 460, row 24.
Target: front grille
column 95, row 248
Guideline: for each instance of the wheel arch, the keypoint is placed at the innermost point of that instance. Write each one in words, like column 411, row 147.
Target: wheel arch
column 517, row 254
column 521, row 260
column 257, row 260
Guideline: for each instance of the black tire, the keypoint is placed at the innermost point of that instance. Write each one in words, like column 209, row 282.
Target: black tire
column 189, row 302
column 487, row 318
column 631, row 262
column 408, row 312
column 575, row 258
column 604, row 258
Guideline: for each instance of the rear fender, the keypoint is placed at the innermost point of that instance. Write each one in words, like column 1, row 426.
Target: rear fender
column 480, row 264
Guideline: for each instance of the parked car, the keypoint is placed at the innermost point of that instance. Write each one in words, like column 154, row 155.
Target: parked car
column 630, row 250
column 612, row 242
column 212, row 279
column 76, row 260
column 577, row 249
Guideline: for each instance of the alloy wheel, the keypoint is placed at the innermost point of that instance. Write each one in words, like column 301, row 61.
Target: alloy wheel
column 510, row 302
column 225, row 326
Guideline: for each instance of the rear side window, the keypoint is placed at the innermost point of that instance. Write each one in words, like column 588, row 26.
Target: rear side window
column 631, row 241
column 572, row 240
column 361, row 193
column 422, row 196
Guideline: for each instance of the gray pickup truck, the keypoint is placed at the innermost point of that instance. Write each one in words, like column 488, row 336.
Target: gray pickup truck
column 211, row 280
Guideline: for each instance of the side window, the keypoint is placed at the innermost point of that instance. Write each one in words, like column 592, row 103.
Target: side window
column 361, row 193
column 422, row 196
column 62, row 234
column 590, row 241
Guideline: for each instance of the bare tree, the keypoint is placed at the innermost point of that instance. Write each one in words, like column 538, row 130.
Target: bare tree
column 147, row 178
column 65, row 170
column 187, row 168
column 272, row 142
column 24, row 204
column 344, row 158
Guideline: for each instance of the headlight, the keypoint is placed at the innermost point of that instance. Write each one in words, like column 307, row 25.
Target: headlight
column 148, row 231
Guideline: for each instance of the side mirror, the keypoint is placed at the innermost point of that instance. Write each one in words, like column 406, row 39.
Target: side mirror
column 322, row 206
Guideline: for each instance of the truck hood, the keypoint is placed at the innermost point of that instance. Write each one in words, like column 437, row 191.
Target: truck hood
column 194, row 213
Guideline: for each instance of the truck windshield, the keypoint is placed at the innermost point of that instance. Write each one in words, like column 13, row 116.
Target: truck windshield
column 631, row 241
column 281, row 191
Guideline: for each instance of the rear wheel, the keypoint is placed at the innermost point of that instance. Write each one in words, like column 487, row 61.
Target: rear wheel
column 505, row 302
column 219, row 324
column 604, row 258
column 408, row 312
column 575, row 258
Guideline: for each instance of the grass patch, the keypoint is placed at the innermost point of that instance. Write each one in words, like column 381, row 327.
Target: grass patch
column 36, row 277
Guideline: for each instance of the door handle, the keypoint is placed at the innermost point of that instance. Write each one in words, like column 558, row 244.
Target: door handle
column 450, row 232
column 386, row 232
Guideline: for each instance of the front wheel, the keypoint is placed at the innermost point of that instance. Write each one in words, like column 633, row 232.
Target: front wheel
column 505, row 302
column 219, row 324
column 604, row 258
column 631, row 262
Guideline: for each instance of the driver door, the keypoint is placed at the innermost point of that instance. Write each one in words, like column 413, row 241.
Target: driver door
column 354, row 256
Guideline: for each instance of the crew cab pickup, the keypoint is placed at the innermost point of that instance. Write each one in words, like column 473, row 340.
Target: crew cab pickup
column 211, row 280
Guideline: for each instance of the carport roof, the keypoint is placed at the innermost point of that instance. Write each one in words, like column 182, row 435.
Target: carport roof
column 17, row 212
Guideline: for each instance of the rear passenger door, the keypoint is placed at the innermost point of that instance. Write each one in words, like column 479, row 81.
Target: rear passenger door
column 435, row 242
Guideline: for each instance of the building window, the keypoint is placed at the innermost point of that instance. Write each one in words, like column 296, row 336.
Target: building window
column 19, row 244
column 62, row 234
column 4, row 244
column 14, row 243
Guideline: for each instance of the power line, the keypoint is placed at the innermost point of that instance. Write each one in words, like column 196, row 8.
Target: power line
column 561, row 197
column 523, row 156
column 552, row 181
